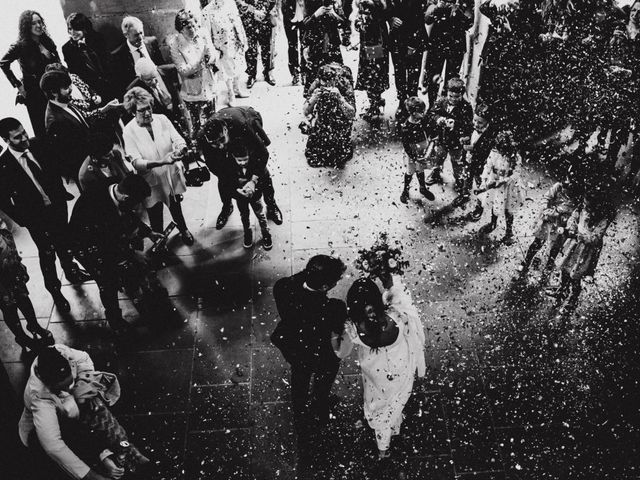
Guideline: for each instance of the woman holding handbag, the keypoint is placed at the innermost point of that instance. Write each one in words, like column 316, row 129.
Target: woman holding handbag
column 193, row 57
column 373, row 62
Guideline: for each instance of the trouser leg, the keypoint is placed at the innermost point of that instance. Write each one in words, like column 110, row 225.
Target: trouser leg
column 268, row 191
column 251, row 54
column 155, row 217
column 322, row 383
column 264, row 39
column 47, row 257
column 432, row 72
column 175, row 208
column 399, row 58
column 459, row 168
column 300, row 380
column 243, row 208
column 258, row 210
column 534, row 248
column 294, row 50
column 12, row 321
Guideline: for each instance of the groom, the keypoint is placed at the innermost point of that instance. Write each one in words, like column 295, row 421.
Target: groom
column 303, row 335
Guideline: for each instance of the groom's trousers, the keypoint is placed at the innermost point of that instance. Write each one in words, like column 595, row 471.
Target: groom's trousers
column 311, row 404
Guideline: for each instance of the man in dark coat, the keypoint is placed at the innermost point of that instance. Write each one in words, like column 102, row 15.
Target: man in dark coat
column 292, row 17
column 135, row 47
column 33, row 196
column 237, row 125
column 307, row 319
column 105, row 227
column 257, row 18
column 66, row 126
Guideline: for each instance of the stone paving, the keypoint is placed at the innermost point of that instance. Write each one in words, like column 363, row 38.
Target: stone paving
column 507, row 394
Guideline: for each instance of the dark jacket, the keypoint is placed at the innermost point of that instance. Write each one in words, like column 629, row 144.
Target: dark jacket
column 90, row 62
column 244, row 125
column 68, row 138
column 448, row 33
column 98, row 228
column 32, row 63
column 462, row 114
column 483, row 146
column 306, row 321
column 19, row 197
column 122, row 64
column 412, row 33
column 91, row 174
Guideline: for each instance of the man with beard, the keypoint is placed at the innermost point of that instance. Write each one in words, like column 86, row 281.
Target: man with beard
column 237, row 125
column 106, row 227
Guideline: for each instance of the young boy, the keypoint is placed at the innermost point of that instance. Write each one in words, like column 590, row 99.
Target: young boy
column 477, row 149
column 415, row 143
column 248, row 175
column 450, row 120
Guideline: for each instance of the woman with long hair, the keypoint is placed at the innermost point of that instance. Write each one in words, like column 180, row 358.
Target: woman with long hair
column 386, row 331
column 33, row 50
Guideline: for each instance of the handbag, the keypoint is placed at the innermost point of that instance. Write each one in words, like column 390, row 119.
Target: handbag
column 373, row 52
column 196, row 177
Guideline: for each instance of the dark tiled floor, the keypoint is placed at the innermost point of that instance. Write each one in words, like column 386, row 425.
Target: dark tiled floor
column 507, row 394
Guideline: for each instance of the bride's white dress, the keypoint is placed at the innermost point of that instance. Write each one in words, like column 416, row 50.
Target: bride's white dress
column 388, row 372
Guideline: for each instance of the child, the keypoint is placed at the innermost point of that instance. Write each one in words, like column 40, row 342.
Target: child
column 450, row 120
column 477, row 148
column 248, row 175
column 415, row 143
column 501, row 179
column 14, row 295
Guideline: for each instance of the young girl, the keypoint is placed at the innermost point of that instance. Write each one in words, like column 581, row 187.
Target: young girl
column 501, row 181
column 14, row 295
column 389, row 338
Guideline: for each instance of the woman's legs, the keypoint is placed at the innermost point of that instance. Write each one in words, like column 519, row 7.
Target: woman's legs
column 176, row 213
column 11, row 319
column 26, row 307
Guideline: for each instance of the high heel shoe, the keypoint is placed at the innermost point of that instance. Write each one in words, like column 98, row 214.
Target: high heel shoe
column 46, row 337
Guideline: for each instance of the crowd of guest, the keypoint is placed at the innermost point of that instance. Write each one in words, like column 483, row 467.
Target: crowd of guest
column 130, row 127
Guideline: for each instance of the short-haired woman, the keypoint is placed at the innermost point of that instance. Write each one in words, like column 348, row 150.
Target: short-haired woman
column 155, row 148
column 191, row 52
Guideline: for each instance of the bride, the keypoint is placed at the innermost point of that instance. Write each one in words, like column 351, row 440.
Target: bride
column 386, row 332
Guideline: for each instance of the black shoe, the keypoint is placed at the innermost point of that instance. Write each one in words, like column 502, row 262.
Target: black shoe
column 61, row 302
column 223, row 218
column 77, row 276
column 434, row 178
column 267, row 242
column 508, row 239
column 248, row 239
column 477, row 213
column 187, row 238
column 487, row 228
column 295, row 79
column 274, row 214
column 426, row 193
column 269, row 79
column 460, row 200
column 251, row 81
column 404, row 196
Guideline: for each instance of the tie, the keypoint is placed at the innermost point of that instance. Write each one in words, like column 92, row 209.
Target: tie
column 79, row 115
column 140, row 52
column 36, row 173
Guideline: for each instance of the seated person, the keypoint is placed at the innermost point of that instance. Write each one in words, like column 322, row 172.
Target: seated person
column 104, row 162
column 54, row 420
column 331, row 110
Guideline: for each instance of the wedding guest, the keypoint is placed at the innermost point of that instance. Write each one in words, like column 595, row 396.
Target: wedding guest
column 321, row 36
column 105, row 228
column 227, row 127
column 447, row 43
column 223, row 24
column 386, row 331
column 502, row 182
column 33, row 50
column 307, row 319
column 33, row 196
column 105, row 162
column 192, row 55
column 451, row 120
column 408, row 40
column 258, row 18
column 156, row 150
column 86, row 55
column 331, row 107
column 416, row 146
column 373, row 61
column 136, row 46
column 246, row 181
column 292, row 17
column 14, row 295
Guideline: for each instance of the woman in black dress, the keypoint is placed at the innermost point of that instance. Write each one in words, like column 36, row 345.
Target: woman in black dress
column 33, row 50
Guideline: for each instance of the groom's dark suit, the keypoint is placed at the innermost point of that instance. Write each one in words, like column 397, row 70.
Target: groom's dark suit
column 304, row 338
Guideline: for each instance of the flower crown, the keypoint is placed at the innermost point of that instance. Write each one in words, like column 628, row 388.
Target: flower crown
column 381, row 258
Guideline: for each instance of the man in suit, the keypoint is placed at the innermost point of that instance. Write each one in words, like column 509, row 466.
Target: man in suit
column 32, row 195
column 104, row 163
column 66, row 126
column 104, row 226
column 307, row 319
column 230, row 126
column 256, row 16
column 292, row 17
column 135, row 47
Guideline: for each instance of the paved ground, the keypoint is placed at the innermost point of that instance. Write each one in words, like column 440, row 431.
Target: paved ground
column 506, row 394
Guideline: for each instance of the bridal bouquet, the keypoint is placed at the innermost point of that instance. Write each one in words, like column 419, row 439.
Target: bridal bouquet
column 381, row 259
